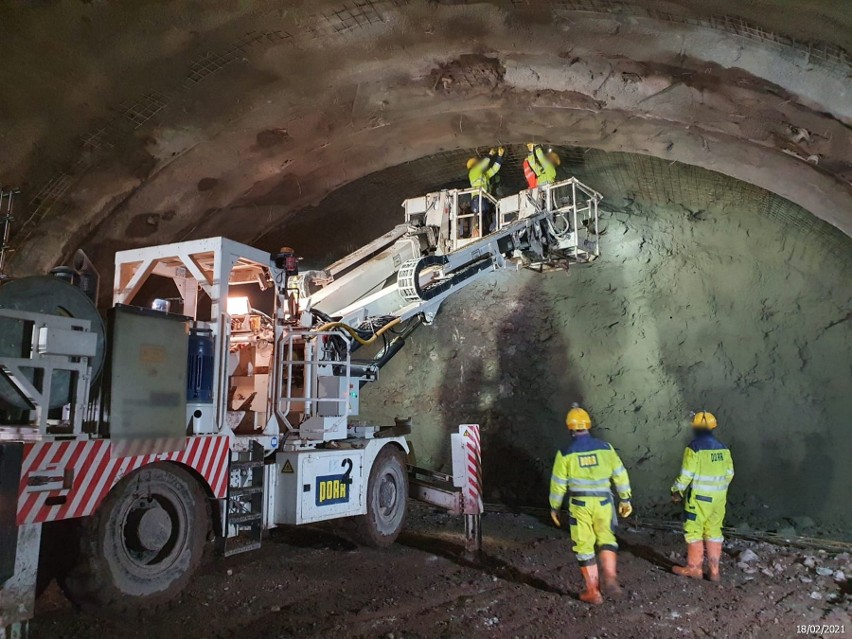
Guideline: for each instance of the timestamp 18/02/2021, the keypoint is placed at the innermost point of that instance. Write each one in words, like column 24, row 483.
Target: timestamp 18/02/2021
column 821, row 629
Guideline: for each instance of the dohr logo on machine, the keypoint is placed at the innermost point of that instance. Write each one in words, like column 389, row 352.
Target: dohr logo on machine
column 334, row 489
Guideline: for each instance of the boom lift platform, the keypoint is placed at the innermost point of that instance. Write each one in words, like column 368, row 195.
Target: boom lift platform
column 235, row 413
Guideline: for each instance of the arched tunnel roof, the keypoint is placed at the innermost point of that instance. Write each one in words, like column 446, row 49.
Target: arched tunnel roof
column 228, row 119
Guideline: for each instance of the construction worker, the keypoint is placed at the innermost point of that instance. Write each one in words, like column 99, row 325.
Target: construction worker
column 481, row 170
column 586, row 469
column 705, row 474
column 529, row 175
column 543, row 164
column 480, row 173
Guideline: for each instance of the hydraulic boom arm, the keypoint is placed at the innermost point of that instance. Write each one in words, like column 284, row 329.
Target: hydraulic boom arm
column 408, row 272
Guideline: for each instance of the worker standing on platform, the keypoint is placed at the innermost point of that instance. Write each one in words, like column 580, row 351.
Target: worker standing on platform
column 543, row 164
column 705, row 474
column 481, row 170
column 586, row 468
column 480, row 173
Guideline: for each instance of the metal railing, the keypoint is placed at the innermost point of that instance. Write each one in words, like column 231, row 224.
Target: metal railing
column 306, row 397
column 472, row 215
column 55, row 344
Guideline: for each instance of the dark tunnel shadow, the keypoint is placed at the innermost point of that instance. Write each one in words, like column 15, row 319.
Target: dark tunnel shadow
column 533, row 382
column 644, row 551
column 762, row 452
column 332, row 536
column 480, row 561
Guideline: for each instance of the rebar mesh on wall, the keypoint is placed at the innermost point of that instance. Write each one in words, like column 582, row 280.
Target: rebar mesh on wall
column 620, row 177
column 336, row 21
column 655, row 181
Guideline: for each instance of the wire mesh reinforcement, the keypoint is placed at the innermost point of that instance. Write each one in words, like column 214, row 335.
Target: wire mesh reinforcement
column 656, row 181
column 342, row 19
column 621, row 177
column 831, row 56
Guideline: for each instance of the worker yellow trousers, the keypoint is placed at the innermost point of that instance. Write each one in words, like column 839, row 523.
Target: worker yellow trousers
column 704, row 515
column 590, row 520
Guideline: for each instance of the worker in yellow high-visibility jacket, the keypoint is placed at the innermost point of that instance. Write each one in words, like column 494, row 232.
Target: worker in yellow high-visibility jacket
column 586, row 469
column 543, row 164
column 480, row 171
column 705, row 474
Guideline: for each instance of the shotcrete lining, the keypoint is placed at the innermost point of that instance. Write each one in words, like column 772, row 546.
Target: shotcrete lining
column 621, row 177
column 333, row 22
column 831, row 56
column 710, row 292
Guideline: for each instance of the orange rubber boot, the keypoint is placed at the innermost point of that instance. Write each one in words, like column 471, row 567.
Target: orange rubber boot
column 609, row 578
column 592, row 593
column 714, row 554
column 694, row 561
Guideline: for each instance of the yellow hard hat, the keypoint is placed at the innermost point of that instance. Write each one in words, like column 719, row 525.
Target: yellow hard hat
column 578, row 419
column 471, row 162
column 530, row 146
column 554, row 158
column 704, row 420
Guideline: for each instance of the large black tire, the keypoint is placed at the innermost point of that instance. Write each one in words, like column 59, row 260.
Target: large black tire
column 143, row 544
column 387, row 500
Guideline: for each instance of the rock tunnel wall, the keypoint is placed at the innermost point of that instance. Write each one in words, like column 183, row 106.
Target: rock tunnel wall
column 173, row 123
column 710, row 294
column 176, row 121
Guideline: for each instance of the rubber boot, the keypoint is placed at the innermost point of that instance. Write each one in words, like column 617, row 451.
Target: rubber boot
column 714, row 554
column 694, row 560
column 592, row 593
column 609, row 576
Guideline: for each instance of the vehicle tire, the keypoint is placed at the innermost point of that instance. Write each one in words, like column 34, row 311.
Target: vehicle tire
column 387, row 500
column 143, row 544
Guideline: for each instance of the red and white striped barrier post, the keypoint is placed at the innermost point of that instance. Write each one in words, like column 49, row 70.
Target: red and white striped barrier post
column 472, row 488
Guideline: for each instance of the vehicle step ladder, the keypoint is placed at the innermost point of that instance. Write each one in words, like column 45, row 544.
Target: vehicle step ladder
column 244, row 514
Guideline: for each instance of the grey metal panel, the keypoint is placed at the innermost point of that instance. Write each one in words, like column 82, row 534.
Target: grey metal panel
column 57, row 341
column 147, row 395
column 50, row 295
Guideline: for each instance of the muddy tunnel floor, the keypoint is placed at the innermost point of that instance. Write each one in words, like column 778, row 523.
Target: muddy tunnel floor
column 313, row 582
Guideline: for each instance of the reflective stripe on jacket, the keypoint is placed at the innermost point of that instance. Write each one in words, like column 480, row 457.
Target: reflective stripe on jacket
column 707, row 467
column 586, row 468
column 481, row 173
column 529, row 175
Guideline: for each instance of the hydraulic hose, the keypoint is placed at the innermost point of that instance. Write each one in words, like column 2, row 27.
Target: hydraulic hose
column 354, row 332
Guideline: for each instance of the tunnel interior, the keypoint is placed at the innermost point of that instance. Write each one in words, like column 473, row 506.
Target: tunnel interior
column 719, row 137
column 710, row 293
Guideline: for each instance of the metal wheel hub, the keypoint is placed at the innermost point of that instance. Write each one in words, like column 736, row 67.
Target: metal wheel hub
column 387, row 495
column 154, row 529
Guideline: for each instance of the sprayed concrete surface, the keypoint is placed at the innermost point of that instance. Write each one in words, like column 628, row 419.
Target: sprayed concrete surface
column 311, row 583
column 721, row 306
column 177, row 122
column 144, row 123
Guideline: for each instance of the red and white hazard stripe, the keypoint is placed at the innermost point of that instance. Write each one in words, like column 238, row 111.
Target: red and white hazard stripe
column 63, row 480
column 473, row 469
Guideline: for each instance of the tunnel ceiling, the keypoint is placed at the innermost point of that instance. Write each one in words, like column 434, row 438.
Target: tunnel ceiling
column 357, row 212
column 157, row 122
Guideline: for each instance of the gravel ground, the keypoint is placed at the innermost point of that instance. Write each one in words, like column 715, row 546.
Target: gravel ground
column 311, row 582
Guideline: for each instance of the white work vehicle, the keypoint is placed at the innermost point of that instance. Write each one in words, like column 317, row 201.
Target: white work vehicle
column 234, row 410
